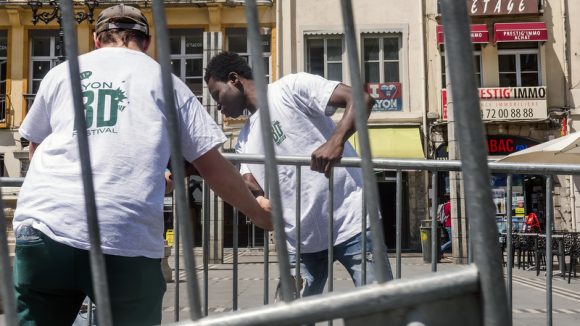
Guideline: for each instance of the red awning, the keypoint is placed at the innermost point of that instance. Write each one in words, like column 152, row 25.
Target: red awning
column 479, row 33
column 520, row 32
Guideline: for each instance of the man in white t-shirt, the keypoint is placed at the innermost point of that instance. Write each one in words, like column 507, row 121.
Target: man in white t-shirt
column 129, row 148
column 300, row 108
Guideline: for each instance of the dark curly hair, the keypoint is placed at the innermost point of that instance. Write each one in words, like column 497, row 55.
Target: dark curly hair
column 223, row 63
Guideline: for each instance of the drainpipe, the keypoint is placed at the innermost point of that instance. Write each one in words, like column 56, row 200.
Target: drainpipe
column 564, row 9
column 423, row 78
column 279, row 42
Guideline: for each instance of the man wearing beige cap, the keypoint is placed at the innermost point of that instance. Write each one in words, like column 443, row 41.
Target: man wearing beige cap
column 129, row 147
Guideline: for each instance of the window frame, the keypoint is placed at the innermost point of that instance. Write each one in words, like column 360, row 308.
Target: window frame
column 325, row 38
column 517, row 53
column 52, row 58
column 382, row 61
column 247, row 55
column 476, row 53
column 183, row 56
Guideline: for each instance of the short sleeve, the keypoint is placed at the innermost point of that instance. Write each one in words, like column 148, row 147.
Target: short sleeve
column 199, row 133
column 36, row 125
column 312, row 93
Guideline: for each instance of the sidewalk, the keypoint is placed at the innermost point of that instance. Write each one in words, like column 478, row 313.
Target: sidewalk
column 529, row 296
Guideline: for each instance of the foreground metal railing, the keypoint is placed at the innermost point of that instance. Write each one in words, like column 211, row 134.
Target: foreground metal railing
column 474, row 296
column 550, row 171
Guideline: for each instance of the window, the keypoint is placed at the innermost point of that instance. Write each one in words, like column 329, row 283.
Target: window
column 518, row 67
column 3, row 71
column 381, row 57
column 186, row 48
column 237, row 41
column 43, row 56
column 476, row 58
column 324, row 57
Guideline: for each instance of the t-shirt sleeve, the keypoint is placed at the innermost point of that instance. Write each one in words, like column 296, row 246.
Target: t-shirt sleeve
column 199, row 133
column 312, row 93
column 36, row 125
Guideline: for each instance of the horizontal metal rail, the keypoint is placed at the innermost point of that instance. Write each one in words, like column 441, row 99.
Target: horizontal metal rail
column 360, row 302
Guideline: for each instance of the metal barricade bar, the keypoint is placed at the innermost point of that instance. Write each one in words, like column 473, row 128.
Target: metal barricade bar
column 98, row 271
column 371, row 299
column 479, row 204
column 369, row 180
column 162, row 39
column 271, row 168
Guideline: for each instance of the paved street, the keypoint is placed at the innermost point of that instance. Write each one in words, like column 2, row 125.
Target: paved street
column 529, row 303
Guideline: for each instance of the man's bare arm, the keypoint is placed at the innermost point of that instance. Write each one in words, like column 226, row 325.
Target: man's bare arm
column 330, row 153
column 227, row 183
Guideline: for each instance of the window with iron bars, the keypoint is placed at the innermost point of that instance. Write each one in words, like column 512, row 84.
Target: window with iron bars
column 186, row 48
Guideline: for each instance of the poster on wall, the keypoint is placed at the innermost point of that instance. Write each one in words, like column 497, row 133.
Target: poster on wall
column 387, row 96
column 499, row 201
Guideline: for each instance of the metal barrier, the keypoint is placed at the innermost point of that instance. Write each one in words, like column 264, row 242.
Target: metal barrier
column 477, row 294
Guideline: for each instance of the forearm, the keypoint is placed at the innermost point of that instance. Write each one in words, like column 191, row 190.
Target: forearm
column 227, row 183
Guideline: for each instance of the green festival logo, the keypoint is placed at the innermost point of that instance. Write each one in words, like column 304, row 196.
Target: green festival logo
column 102, row 104
column 277, row 132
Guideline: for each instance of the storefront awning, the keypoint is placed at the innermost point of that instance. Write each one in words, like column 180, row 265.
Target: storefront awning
column 393, row 142
column 520, row 32
column 479, row 34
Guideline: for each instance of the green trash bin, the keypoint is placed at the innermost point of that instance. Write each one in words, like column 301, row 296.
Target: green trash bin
column 426, row 241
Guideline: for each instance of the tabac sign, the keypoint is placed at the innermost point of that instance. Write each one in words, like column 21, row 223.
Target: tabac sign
column 387, row 96
column 502, row 7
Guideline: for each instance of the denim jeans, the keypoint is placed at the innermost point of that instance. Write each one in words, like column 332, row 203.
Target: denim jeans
column 314, row 266
column 447, row 244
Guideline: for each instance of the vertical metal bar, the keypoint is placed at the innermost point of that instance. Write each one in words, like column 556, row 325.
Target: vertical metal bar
column 549, row 217
column 176, row 253
column 6, row 286
column 370, row 182
column 399, row 219
column 90, row 313
column 271, row 167
column 267, row 251
column 476, row 175
column 206, row 236
column 509, row 244
column 235, row 261
column 331, row 234
column 364, row 247
column 331, row 230
column 98, row 271
column 162, row 39
column 434, row 223
column 298, row 225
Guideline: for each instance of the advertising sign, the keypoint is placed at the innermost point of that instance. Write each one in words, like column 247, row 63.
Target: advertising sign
column 508, row 103
column 387, row 95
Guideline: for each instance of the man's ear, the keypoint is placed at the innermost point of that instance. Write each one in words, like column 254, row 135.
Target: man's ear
column 96, row 40
column 233, row 77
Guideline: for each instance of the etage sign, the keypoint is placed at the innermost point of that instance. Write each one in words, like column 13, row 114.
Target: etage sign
column 502, row 7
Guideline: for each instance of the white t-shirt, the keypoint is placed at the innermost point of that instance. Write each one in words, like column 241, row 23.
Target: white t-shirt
column 129, row 149
column 300, row 124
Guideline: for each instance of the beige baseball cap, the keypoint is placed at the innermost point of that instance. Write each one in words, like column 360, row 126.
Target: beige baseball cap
column 122, row 17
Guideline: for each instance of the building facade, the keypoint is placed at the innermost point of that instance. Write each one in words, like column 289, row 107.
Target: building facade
column 521, row 54
column 390, row 39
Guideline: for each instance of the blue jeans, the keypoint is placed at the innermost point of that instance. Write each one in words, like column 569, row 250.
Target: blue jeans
column 314, row 266
column 447, row 244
